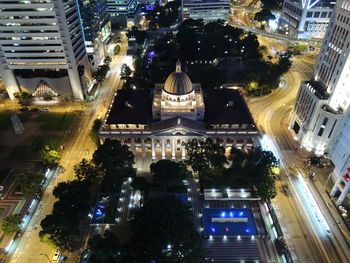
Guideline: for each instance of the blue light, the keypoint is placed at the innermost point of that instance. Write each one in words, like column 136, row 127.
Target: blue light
column 247, row 230
column 240, row 213
column 99, row 212
column 223, row 214
column 231, row 214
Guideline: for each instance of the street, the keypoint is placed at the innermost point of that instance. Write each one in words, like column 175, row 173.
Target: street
column 271, row 114
column 77, row 145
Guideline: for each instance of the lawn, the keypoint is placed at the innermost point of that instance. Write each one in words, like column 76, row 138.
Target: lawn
column 23, row 152
column 56, row 121
column 5, row 120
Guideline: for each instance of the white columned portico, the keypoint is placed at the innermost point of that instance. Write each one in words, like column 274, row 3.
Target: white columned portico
column 163, row 149
column 143, row 147
column 173, row 148
column 153, row 150
column 183, row 150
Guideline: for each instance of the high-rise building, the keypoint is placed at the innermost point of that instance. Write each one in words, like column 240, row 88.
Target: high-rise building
column 120, row 10
column 97, row 28
column 322, row 102
column 208, row 10
column 306, row 18
column 41, row 41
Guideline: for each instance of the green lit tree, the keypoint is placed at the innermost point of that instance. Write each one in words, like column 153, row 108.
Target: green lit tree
column 30, row 182
column 11, row 224
column 86, row 171
column 50, row 156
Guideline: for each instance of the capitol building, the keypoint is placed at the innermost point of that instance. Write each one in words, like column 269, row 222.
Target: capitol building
column 156, row 123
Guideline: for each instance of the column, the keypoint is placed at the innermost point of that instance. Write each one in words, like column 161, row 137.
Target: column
column 163, row 148
column 343, row 194
column 153, row 150
column 173, row 148
column 75, row 84
column 183, row 151
column 132, row 145
column 143, row 147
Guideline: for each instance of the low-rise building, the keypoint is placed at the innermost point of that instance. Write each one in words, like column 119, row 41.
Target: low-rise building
column 208, row 10
column 157, row 123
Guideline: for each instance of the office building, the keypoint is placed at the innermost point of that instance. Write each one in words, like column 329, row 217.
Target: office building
column 208, row 10
column 42, row 41
column 321, row 115
column 306, row 18
column 97, row 29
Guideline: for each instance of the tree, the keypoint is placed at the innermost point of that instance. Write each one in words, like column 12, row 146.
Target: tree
column 101, row 73
column 164, row 232
column 116, row 160
column 73, row 199
column 264, row 15
column 59, row 230
column 125, row 73
column 168, row 172
column 205, row 154
column 116, row 50
column 237, row 157
column 50, row 156
column 266, row 188
column 30, row 182
column 104, row 249
column 114, row 157
column 11, row 224
column 86, row 171
column 94, row 132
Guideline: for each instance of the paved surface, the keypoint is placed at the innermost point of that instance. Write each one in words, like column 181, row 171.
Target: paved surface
column 77, row 145
column 272, row 114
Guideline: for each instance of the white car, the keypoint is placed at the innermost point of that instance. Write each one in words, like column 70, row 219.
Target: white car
column 56, row 256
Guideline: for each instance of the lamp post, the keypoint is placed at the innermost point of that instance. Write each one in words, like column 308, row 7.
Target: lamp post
column 46, row 257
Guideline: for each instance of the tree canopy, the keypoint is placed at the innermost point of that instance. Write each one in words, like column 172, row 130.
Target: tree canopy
column 203, row 155
column 104, row 248
column 264, row 15
column 168, row 172
column 163, row 16
column 61, row 228
column 30, row 182
column 117, row 162
column 11, row 224
column 164, row 232
column 50, row 156
column 86, row 171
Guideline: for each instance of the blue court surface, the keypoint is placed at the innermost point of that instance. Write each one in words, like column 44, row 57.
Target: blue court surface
column 230, row 222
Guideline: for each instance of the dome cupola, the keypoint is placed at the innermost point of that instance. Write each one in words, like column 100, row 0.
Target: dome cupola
column 178, row 83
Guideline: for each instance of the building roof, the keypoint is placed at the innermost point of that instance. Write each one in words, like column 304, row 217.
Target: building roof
column 178, row 83
column 179, row 122
column 131, row 107
column 226, row 106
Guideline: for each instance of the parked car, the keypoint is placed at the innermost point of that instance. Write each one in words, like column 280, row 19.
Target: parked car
column 56, row 256
column 23, row 109
column 34, row 110
column 44, row 109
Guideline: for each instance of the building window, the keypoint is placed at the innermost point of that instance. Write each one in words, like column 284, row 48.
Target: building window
column 323, row 14
column 309, row 14
column 320, row 132
column 316, row 14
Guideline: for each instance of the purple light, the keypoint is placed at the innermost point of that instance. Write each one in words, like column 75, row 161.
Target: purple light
column 212, row 229
column 226, row 229
column 152, row 54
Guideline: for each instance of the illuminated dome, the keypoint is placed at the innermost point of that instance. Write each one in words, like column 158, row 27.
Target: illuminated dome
column 178, row 83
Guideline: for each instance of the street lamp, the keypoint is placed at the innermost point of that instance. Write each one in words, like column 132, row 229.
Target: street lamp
column 46, row 257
